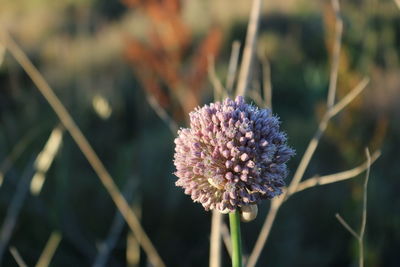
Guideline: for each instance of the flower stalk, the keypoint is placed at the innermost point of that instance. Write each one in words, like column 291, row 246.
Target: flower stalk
column 234, row 221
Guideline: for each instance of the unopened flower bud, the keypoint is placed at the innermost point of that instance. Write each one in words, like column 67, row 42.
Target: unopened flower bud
column 248, row 213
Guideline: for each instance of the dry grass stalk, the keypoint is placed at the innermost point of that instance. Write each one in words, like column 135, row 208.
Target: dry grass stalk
column 360, row 236
column 248, row 52
column 266, row 80
column 267, row 84
column 397, row 3
column 232, row 67
column 219, row 90
column 17, row 257
column 335, row 54
column 14, row 208
column 117, row 225
column 332, row 110
column 226, row 237
column 276, row 203
column 2, row 53
column 172, row 125
column 337, row 177
column 132, row 245
column 49, row 250
column 16, row 152
column 45, row 159
column 312, row 146
column 215, row 239
column 257, row 98
column 84, row 146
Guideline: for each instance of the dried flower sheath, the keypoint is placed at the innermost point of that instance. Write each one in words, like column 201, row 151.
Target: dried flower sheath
column 232, row 155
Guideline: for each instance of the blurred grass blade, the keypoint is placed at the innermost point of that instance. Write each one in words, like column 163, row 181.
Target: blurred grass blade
column 45, row 159
column 17, row 257
column 248, row 51
column 17, row 151
column 132, row 244
column 49, row 250
column 101, row 106
column 14, row 208
column 232, row 67
column 117, row 225
column 215, row 239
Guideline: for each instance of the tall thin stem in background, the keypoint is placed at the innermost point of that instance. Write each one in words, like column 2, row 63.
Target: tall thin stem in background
column 49, row 250
column 232, row 67
column 360, row 236
column 14, row 208
column 215, row 239
column 248, row 51
column 335, row 54
column 14, row 252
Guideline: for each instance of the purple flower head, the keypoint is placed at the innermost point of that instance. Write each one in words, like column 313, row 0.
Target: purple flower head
column 232, row 155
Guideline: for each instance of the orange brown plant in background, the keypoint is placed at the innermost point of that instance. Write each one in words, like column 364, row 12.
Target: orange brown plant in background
column 167, row 65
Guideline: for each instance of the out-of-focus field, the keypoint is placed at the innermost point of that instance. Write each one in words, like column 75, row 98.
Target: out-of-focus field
column 106, row 59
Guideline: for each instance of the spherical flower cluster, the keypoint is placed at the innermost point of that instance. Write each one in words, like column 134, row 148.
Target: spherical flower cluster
column 233, row 155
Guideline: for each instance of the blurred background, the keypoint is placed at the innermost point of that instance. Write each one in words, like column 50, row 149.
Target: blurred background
column 119, row 65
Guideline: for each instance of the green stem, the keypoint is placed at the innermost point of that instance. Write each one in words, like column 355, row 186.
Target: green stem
column 234, row 221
